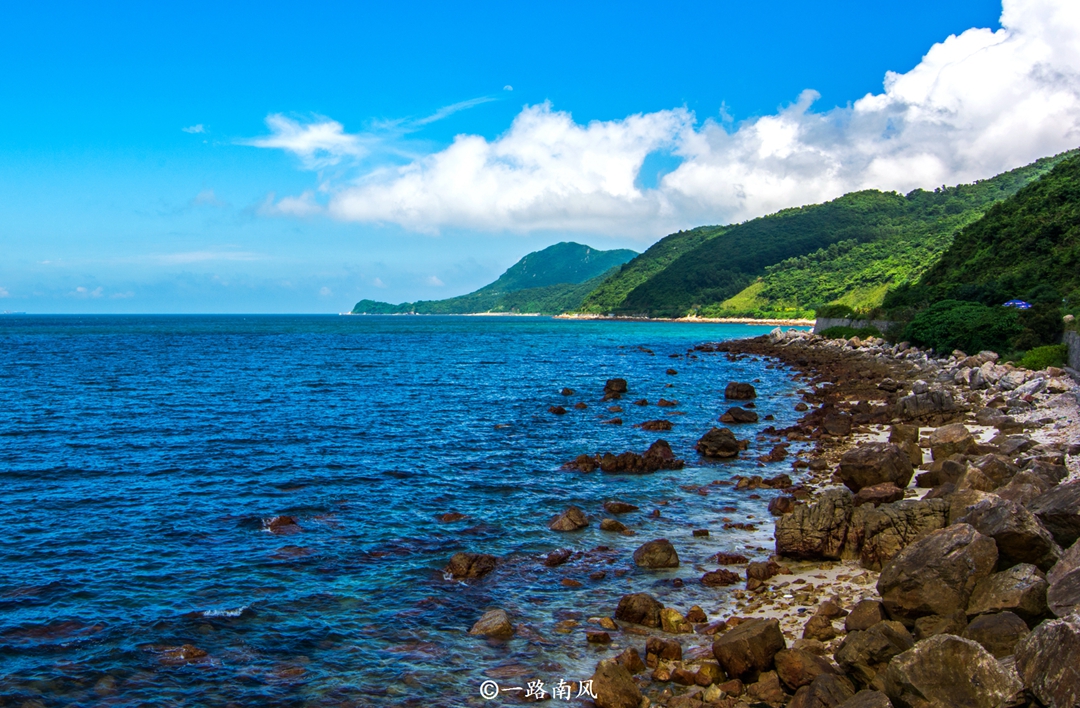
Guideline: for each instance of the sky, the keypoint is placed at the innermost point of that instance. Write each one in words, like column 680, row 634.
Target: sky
column 268, row 157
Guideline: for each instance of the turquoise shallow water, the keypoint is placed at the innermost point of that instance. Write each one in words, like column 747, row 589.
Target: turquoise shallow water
column 140, row 455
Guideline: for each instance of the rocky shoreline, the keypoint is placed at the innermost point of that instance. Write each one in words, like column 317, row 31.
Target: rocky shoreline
column 926, row 553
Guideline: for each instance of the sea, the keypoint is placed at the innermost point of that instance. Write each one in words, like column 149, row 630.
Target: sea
column 142, row 457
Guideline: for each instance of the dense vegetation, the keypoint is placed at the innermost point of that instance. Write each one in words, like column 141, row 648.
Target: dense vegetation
column 553, row 280
column 851, row 250
column 611, row 292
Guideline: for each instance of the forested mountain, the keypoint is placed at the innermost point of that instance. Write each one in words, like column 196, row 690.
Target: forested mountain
column 851, row 250
column 553, row 280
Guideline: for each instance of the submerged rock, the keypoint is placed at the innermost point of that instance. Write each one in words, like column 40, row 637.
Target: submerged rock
column 573, row 519
column 719, row 443
column 639, row 608
column 470, row 565
column 615, row 506
column 494, row 623
column 739, row 415
column 656, row 554
column 737, row 391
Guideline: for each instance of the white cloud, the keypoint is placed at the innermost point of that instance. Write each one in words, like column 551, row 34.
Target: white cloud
column 198, row 128
column 85, row 293
column 325, row 291
column 977, row 103
column 304, row 205
column 4, row 292
column 318, row 144
column 206, row 198
column 434, row 281
column 378, row 283
column 508, row 87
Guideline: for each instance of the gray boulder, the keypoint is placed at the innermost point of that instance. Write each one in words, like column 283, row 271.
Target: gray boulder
column 749, row 649
column 890, row 528
column 1019, row 535
column 864, row 654
column 1020, row 589
column 947, row 671
column 825, row 691
column 656, row 554
column 719, row 443
column 817, row 530
column 997, row 633
column 1048, row 661
column 1059, row 511
column 870, row 464
column 1063, row 595
column 949, row 440
column 937, row 574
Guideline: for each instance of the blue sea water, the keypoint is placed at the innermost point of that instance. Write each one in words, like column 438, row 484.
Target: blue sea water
column 140, row 456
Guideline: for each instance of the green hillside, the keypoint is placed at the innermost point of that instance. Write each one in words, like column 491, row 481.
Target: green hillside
column 613, row 290
column 553, row 280
column 851, row 251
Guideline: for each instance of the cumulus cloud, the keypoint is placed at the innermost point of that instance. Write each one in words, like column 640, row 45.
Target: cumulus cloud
column 206, row 198
column 434, row 281
column 304, row 205
column 4, row 292
column 325, row 291
column 976, row 104
column 198, row 128
column 84, row 293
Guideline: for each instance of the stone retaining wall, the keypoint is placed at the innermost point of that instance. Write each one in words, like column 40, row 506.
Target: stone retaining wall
column 1072, row 341
column 824, row 323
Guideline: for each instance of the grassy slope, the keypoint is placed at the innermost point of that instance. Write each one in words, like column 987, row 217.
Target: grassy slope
column 612, row 291
column 860, row 274
column 550, row 281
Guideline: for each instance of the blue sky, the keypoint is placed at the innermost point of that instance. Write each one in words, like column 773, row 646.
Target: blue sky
column 275, row 158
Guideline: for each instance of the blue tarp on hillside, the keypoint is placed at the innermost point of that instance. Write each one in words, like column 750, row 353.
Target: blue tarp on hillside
column 1018, row 304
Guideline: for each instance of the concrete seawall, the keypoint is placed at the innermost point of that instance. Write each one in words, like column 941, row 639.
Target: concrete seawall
column 1072, row 341
column 824, row 323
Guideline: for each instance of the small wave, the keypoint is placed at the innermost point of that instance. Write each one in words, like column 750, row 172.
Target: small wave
column 225, row 613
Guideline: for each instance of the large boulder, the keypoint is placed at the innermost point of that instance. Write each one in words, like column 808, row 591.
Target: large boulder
column 1019, row 535
column 890, row 528
column 1025, row 486
column 864, row 615
column 937, row 574
column 997, row 468
column 719, row 443
column 947, row 671
column 1048, row 660
column 656, row 554
column 878, row 494
column 748, row 649
column 639, row 608
column 925, row 404
column 1063, row 595
column 817, row 530
column 867, row 698
column 998, row 633
column 1059, row 511
column 739, row 415
column 573, row 519
column 470, row 565
column 494, row 623
column 737, row 391
column 798, row 667
column 864, row 654
column 875, row 463
column 825, row 691
column 615, row 387
column 614, row 687
column 933, row 625
column 949, row 440
column 1020, row 589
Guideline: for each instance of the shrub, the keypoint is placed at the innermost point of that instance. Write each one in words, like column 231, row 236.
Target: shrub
column 967, row 326
column 849, row 332
column 841, row 312
column 1042, row 357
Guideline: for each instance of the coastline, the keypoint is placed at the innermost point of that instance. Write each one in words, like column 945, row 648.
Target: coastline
column 600, row 318
column 855, row 394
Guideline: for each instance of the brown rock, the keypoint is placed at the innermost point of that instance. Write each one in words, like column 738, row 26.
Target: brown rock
column 732, row 687
column 614, row 687
column 781, row 505
column 1059, row 511
column 725, row 558
column 864, row 615
column 997, row 633
column 739, row 415
column 739, row 391
column 951, row 440
column 656, row 554
column 1063, row 595
column 797, row 668
column 890, row 528
column 673, row 622
column 708, row 674
column 946, row 671
column 867, row 699
column 557, row 410
column 837, row 424
column 570, row 583
column 684, row 677
column 557, row 557
column 801, row 407
column 177, row 656
column 696, row 615
column 281, row 525
column 494, row 623
column 933, row 625
column 658, row 649
column 1019, row 535
column 597, row 637
column 619, row 507
column 937, row 574
column 748, row 649
column 451, row 516
column 819, row 628
column 1048, row 661
column 719, row 578
column 615, row 386
column 665, row 403
column 817, row 530
column 656, row 425
column 630, row 660
column 567, row 392
column 879, row 494
column 470, row 565
column 826, row 691
column 863, row 655
column 719, row 443
column 639, row 608
column 580, row 406
column 573, row 519
column 612, row 525
column 1020, row 589
column 767, row 690
column 870, row 464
